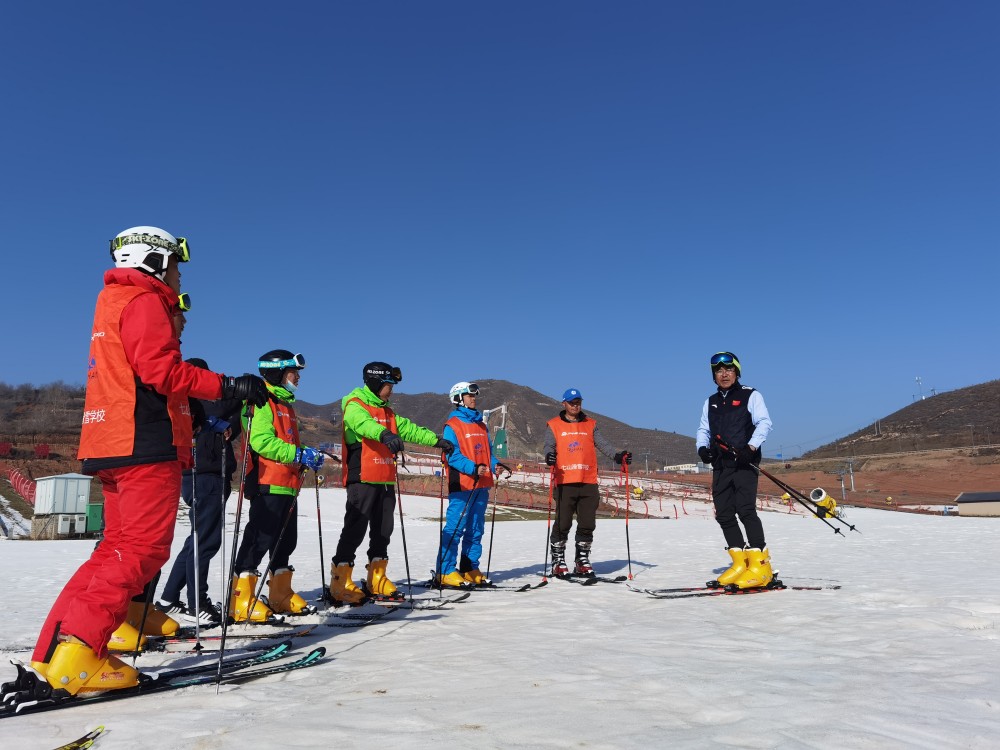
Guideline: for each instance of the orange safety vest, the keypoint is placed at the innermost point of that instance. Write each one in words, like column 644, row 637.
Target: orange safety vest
column 286, row 427
column 474, row 444
column 377, row 465
column 576, row 456
column 109, row 427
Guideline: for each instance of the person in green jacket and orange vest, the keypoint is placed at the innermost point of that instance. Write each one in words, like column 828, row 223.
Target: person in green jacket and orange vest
column 571, row 445
column 373, row 434
column 273, row 483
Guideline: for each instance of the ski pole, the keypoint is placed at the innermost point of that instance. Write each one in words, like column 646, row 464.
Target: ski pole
column 548, row 524
column 402, row 528
column 801, row 498
column 150, row 588
column 228, row 588
column 195, row 580
column 493, row 521
column 628, row 546
column 440, row 555
column 324, row 597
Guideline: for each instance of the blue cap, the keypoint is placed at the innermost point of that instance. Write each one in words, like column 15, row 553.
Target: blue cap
column 571, row 394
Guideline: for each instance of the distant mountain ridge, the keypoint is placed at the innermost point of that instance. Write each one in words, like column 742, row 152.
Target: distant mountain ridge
column 964, row 417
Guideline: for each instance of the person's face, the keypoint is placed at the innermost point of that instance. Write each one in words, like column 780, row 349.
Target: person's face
column 468, row 401
column 179, row 321
column 574, row 407
column 725, row 376
column 172, row 276
column 385, row 391
column 292, row 376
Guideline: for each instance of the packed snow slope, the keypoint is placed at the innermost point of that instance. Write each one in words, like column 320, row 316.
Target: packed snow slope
column 904, row 655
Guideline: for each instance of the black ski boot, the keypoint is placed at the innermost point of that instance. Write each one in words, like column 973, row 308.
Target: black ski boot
column 559, row 567
column 583, row 566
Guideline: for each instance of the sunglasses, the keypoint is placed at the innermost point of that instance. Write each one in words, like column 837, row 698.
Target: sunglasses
column 723, row 358
column 297, row 361
column 180, row 249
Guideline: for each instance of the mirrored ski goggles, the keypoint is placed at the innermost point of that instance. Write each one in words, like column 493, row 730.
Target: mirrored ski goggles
column 184, row 301
column 180, row 249
column 395, row 375
column 472, row 389
column 297, row 361
column 723, row 358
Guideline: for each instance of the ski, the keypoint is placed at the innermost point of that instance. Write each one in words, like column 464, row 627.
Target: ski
column 174, row 643
column 360, row 619
column 177, row 679
column 83, row 742
column 738, row 592
column 583, row 580
column 602, row 579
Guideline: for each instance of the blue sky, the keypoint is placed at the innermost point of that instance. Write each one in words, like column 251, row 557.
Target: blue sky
column 588, row 194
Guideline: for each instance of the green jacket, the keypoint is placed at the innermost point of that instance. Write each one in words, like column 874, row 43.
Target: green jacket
column 263, row 439
column 358, row 424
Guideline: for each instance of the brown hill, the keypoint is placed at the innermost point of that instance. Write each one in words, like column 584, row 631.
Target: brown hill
column 967, row 417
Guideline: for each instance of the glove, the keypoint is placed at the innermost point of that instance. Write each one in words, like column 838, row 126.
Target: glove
column 446, row 445
column 391, row 440
column 217, row 424
column 309, row 457
column 503, row 467
column 550, row 459
column 623, row 456
column 707, row 455
column 745, row 456
column 480, row 470
column 245, row 388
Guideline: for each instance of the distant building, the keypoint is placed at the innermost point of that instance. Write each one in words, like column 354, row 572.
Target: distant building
column 978, row 504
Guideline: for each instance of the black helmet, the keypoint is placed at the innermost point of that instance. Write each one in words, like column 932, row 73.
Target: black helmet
column 725, row 358
column 377, row 373
column 273, row 365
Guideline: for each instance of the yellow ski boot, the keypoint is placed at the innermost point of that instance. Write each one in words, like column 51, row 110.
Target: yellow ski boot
column 75, row 668
column 378, row 585
column 735, row 570
column 244, row 588
column 453, row 580
column 342, row 587
column 758, row 573
column 280, row 596
column 156, row 622
column 475, row 577
column 127, row 638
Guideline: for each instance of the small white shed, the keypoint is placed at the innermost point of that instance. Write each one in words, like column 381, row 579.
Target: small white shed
column 62, row 494
column 978, row 504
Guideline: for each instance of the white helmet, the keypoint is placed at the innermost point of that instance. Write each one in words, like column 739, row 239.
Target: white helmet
column 147, row 249
column 455, row 394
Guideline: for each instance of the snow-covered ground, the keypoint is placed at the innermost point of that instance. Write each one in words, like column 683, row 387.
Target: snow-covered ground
column 905, row 654
column 12, row 524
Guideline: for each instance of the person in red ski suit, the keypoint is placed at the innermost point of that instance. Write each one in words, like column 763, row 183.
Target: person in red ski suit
column 135, row 438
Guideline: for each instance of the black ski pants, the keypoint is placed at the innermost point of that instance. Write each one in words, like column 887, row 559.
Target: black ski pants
column 734, row 491
column 206, row 503
column 581, row 499
column 369, row 508
column 263, row 534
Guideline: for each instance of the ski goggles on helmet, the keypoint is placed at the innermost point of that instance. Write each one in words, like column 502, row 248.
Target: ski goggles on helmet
column 180, row 249
column 727, row 359
column 184, row 301
column 395, row 375
column 298, row 361
column 472, row 389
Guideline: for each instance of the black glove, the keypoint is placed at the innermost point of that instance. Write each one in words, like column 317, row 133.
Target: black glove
column 707, row 455
column 504, row 467
column 550, row 459
column 621, row 456
column 391, row 440
column 245, row 388
column 745, row 456
column 446, row 445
